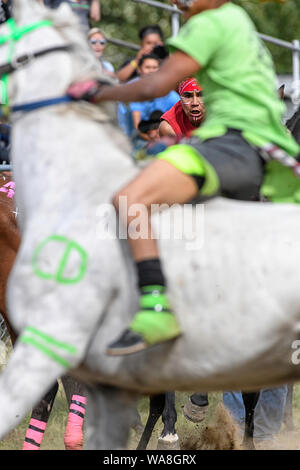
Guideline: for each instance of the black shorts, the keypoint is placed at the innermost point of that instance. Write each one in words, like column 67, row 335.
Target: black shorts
column 238, row 165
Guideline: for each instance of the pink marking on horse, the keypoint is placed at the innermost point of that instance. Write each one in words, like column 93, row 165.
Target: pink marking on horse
column 9, row 189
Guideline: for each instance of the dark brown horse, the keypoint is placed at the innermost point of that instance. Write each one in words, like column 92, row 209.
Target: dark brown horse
column 9, row 245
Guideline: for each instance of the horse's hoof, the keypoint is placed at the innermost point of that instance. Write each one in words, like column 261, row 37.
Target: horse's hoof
column 168, row 442
column 194, row 413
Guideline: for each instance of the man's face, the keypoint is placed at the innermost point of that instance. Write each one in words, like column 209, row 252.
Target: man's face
column 148, row 66
column 150, row 41
column 193, row 106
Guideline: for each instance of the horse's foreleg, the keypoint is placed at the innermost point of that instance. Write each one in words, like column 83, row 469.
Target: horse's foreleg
column 76, row 397
column 28, row 375
column 156, row 408
column 110, row 413
column 38, row 421
column 169, row 438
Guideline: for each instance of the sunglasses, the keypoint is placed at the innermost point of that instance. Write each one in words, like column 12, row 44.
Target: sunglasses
column 98, row 41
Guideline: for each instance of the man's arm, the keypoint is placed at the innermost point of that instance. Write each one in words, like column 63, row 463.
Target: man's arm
column 136, row 118
column 174, row 69
column 165, row 129
column 95, row 10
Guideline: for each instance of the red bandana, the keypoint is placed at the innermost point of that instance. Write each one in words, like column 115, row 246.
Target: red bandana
column 189, row 85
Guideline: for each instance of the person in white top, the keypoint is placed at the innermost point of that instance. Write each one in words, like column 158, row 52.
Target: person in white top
column 98, row 41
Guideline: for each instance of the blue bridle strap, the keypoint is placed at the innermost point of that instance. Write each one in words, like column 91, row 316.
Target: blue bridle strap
column 27, row 107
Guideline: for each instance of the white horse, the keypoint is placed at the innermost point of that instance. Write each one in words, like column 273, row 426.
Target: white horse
column 234, row 287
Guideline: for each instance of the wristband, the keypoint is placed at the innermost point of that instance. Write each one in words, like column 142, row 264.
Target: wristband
column 134, row 64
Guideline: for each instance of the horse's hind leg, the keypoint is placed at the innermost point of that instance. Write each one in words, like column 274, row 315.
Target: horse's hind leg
column 169, row 439
column 288, row 411
column 156, row 408
column 250, row 401
column 76, row 397
column 38, row 421
column 196, row 407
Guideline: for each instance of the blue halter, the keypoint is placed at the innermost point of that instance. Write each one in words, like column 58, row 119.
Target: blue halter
column 27, row 107
column 5, row 69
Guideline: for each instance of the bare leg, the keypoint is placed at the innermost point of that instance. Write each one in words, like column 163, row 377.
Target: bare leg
column 159, row 183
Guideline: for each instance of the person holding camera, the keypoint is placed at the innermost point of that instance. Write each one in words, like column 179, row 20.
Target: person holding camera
column 152, row 41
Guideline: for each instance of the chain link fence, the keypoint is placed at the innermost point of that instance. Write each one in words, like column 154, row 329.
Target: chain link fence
column 5, row 344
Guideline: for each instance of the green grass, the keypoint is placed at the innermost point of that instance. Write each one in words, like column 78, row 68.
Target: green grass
column 215, row 432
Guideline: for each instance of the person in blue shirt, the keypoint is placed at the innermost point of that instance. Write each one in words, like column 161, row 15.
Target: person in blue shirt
column 148, row 64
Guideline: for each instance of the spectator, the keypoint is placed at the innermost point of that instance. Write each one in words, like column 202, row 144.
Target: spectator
column 146, row 133
column 97, row 40
column 150, row 36
column 142, row 110
column 187, row 114
column 4, row 143
column 149, row 129
column 85, row 9
column 268, row 415
column 5, row 10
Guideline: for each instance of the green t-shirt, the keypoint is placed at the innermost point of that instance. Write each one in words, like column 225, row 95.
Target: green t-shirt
column 237, row 76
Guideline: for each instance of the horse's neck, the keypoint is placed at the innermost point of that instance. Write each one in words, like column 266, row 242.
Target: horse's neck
column 45, row 77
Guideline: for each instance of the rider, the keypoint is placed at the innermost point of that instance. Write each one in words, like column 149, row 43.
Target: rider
column 187, row 114
column 220, row 46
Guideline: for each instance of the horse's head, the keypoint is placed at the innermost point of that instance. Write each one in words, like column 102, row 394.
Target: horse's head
column 37, row 28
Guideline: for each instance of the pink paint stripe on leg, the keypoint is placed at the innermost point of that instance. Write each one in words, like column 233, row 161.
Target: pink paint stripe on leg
column 79, row 398
column 75, row 407
column 34, row 435
column 38, row 424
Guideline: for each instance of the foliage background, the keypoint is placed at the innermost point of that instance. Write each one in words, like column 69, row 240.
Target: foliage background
column 122, row 19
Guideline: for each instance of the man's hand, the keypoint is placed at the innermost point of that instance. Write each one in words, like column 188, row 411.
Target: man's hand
column 86, row 90
column 153, row 148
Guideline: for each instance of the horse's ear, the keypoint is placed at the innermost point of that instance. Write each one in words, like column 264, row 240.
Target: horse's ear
column 281, row 91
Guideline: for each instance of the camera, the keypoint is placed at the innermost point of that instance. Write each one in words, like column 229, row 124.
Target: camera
column 160, row 51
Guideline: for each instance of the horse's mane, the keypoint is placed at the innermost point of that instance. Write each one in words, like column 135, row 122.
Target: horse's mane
column 294, row 121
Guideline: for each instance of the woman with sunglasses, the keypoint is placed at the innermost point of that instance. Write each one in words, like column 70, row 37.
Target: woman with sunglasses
column 98, row 42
